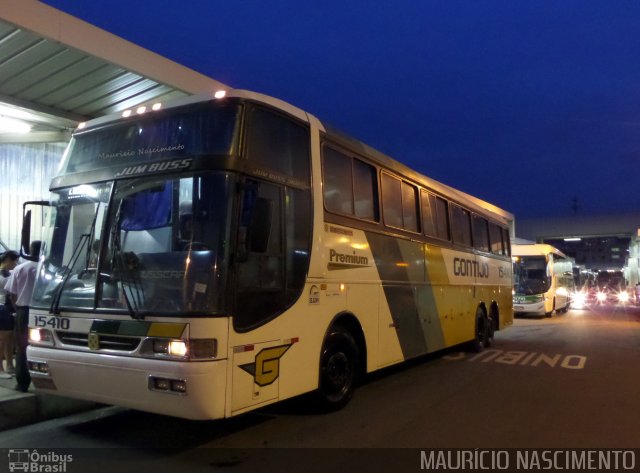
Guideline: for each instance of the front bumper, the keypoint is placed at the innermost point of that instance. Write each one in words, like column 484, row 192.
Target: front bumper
column 536, row 308
column 125, row 381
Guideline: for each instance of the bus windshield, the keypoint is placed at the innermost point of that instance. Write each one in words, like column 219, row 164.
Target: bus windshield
column 613, row 280
column 154, row 245
column 530, row 275
column 208, row 129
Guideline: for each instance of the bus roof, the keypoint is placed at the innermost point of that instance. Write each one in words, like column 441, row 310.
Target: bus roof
column 392, row 164
column 535, row 249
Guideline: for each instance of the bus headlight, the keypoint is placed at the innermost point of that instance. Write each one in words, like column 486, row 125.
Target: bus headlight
column 192, row 349
column 601, row 296
column 623, row 297
column 40, row 336
column 579, row 299
column 177, row 348
column 168, row 347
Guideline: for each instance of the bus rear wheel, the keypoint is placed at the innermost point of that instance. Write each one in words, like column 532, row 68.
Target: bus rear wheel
column 482, row 332
column 338, row 369
column 492, row 321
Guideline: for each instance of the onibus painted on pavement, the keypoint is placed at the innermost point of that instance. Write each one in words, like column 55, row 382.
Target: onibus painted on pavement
column 214, row 255
column 543, row 279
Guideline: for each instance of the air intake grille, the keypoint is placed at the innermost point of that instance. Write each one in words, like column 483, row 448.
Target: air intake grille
column 107, row 342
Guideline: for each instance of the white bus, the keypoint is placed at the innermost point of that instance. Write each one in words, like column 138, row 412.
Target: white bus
column 214, row 255
column 543, row 280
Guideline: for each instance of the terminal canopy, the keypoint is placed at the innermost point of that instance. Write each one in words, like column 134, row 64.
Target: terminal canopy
column 57, row 70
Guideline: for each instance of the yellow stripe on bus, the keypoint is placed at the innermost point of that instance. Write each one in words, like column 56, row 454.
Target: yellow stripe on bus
column 159, row 329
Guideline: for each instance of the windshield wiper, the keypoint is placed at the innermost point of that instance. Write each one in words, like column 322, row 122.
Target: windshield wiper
column 126, row 274
column 67, row 272
column 75, row 255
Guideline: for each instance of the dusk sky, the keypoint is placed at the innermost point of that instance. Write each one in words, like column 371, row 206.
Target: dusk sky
column 526, row 104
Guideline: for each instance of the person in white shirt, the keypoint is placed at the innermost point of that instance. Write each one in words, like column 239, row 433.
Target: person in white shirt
column 8, row 261
column 20, row 287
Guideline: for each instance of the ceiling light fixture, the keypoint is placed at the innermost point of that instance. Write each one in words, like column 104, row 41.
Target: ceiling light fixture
column 11, row 125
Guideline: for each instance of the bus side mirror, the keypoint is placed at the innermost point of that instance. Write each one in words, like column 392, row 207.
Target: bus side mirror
column 26, row 233
column 27, row 225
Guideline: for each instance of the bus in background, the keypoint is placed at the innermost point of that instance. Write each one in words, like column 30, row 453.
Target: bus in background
column 543, row 279
column 206, row 257
column 611, row 288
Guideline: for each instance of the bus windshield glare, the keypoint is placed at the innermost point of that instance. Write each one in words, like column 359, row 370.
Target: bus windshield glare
column 530, row 275
column 162, row 248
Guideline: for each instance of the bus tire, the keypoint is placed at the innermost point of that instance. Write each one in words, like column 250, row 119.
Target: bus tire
column 491, row 327
column 481, row 331
column 553, row 309
column 338, row 369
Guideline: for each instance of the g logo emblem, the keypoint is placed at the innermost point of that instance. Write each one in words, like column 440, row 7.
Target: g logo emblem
column 266, row 368
column 93, row 342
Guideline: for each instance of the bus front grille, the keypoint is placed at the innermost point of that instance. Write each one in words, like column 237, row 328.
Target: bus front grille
column 106, row 342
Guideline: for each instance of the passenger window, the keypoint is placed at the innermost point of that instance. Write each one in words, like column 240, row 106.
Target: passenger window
column 391, row 201
column 428, row 213
column 442, row 218
column 495, row 237
column 460, row 225
column 337, row 182
column 480, row 233
column 278, row 143
column 507, row 242
column 409, row 207
column 350, row 185
column 399, row 203
column 365, row 191
column 434, row 216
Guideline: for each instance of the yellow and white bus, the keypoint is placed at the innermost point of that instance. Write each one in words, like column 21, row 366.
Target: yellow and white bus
column 217, row 254
column 543, row 280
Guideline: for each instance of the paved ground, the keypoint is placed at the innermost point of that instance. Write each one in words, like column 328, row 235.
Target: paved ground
column 19, row 409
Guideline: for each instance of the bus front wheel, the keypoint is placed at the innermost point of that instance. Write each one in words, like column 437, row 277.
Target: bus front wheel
column 338, row 368
column 553, row 309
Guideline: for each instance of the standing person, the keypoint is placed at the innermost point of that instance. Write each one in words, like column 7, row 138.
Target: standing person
column 20, row 286
column 8, row 261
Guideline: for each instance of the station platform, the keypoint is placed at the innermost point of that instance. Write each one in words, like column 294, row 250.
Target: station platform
column 18, row 409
